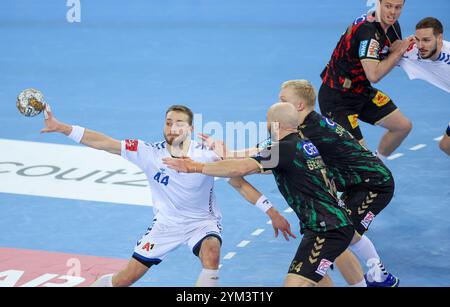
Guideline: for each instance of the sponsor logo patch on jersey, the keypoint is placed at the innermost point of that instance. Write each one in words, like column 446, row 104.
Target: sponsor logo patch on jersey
column 360, row 19
column 323, row 267
column 353, row 120
column 264, row 144
column 374, row 48
column 368, row 219
column 381, row 99
column 329, row 122
column 131, row 145
column 363, row 48
column 310, row 149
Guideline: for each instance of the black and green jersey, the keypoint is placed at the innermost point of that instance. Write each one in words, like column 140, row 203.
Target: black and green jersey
column 304, row 182
column 349, row 162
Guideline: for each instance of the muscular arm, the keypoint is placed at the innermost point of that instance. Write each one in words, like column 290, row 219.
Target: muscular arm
column 245, row 189
column 100, row 141
column 231, row 168
column 245, row 153
column 224, row 168
column 90, row 138
column 376, row 70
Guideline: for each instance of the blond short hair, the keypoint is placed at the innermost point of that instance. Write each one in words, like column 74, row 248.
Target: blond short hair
column 304, row 90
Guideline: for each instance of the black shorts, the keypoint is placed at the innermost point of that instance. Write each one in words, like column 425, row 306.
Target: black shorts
column 365, row 202
column 345, row 108
column 318, row 250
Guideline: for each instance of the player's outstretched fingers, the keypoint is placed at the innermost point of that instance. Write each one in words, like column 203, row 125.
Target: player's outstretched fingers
column 48, row 116
column 285, row 235
column 290, row 233
column 206, row 139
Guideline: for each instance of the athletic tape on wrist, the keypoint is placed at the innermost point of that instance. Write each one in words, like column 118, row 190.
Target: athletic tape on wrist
column 76, row 134
column 263, row 204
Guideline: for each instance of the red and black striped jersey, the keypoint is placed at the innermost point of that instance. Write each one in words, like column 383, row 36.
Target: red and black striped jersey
column 363, row 40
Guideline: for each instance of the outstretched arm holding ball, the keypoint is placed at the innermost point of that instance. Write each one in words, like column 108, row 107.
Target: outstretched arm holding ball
column 81, row 135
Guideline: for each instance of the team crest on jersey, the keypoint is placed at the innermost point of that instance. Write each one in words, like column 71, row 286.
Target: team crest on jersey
column 381, row 99
column 310, row 149
column 353, row 120
column 131, row 145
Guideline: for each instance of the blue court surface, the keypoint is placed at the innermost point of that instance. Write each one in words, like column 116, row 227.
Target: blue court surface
column 120, row 68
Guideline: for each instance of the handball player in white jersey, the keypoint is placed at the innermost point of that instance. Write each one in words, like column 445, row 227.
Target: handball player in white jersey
column 185, row 209
column 429, row 60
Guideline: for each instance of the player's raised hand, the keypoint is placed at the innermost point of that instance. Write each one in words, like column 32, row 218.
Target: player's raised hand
column 279, row 223
column 51, row 123
column 401, row 46
column 184, row 165
column 217, row 146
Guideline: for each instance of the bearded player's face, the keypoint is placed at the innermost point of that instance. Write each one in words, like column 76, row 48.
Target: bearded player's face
column 176, row 127
column 427, row 43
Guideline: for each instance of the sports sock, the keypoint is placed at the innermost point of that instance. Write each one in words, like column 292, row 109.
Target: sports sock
column 208, row 278
column 360, row 284
column 104, row 281
column 364, row 249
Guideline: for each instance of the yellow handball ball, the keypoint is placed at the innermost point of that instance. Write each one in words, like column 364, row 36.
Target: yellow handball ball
column 30, row 102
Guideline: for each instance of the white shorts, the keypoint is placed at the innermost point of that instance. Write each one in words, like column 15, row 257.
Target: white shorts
column 161, row 239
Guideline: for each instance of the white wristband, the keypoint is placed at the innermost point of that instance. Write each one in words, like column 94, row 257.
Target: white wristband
column 76, row 134
column 263, row 204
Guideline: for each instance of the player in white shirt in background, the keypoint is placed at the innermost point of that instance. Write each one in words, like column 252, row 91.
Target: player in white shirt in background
column 429, row 60
column 185, row 210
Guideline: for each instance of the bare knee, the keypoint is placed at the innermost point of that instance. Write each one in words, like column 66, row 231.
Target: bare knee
column 403, row 127
column 407, row 127
column 210, row 253
column 397, row 123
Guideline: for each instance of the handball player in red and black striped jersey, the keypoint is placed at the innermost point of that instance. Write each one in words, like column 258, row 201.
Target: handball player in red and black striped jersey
column 367, row 52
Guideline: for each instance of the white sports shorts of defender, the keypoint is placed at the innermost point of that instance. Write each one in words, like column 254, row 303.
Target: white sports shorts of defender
column 161, row 239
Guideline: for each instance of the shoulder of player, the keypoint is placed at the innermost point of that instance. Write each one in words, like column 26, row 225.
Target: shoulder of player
column 155, row 146
column 368, row 27
column 446, row 47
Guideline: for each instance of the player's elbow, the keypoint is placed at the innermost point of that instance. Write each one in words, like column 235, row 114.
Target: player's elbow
column 372, row 72
column 239, row 172
column 444, row 145
column 236, row 182
column 242, row 170
column 373, row 78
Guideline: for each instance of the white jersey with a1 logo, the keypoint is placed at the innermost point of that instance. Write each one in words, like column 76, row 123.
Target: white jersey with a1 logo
column 177, row 198
column 435, row 72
